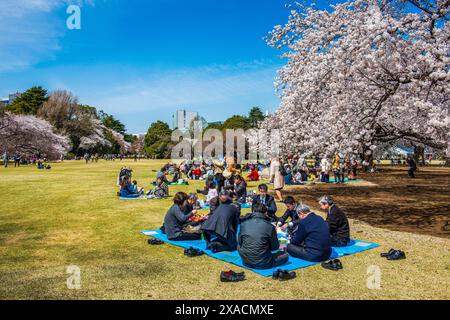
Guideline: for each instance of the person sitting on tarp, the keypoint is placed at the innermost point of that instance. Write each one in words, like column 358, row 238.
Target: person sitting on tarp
column 127, row 189
column 337, row 222
column 253, row 175
column 160, row 191
column 136, row 188
column 220, row 229
column 240, row 189
column 176, row 176
column 189, row 204
column 291, row 206
column 266, row 200
column 257, row 239
column 310, row 238
column 176, row 219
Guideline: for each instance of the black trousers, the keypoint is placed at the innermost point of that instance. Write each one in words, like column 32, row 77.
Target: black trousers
column 187, row 236
column 280, row 258
column 338, row 242
column 411, row 172
column 218, row 245
column 300, row 252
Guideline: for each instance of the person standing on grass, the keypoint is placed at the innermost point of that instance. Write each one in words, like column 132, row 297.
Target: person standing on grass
column 412, row 166
column 17, row 158
column 277, row 176
column 176, row 219
column 5, row 159
column 258, row 239
column 337, row 222
column 310, row 238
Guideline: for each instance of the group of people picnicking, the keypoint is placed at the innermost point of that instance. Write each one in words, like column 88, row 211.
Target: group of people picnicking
column 232, row 176
column 19, row 159
column 311, row 237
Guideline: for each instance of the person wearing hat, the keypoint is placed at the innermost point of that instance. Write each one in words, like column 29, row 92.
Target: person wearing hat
column 337, row 222
column 220, row 230
column 310, row 238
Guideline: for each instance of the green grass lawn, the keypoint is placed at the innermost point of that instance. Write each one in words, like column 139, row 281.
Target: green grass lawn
column 70, row 215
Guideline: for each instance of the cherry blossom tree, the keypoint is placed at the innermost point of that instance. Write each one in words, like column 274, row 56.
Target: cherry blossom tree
column 28, row 134
column 362, row 75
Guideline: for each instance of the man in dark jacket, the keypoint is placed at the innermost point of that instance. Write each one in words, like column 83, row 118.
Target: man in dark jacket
column 412, row 166
column 220, row 230
column 176, row 219
column 266, row 200
column 240, row 189
column 337, row 222
column 291, row 206
column 257, row 239
column 311, row 238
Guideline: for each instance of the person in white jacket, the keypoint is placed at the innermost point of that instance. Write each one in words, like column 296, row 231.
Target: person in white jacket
column 325, row 170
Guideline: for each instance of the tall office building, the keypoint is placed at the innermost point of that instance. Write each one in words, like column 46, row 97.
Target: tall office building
column 182, row 119
column 11, row 98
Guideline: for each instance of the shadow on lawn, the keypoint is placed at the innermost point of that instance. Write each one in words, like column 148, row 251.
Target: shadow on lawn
column 420, row 205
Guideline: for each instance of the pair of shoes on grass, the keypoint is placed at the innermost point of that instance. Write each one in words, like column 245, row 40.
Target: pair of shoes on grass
column 155, row 241
column 334, row 265
column 231, row 276
column 283, row 275
column 394, row 255
column 193, row 252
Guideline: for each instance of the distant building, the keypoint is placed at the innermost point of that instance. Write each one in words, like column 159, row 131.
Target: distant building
column 182, row 119
column 11, row 98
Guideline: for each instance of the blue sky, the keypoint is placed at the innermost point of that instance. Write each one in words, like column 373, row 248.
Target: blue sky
column 142, row 60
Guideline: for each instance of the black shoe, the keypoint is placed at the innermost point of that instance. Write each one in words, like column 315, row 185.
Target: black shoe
column 155, row 241
column 338, row 264
column 397, row 255
column 286, row 275
column 231, row 276
column 330, row 265
column 386, row 254
column 276, row 274
column 192, row 252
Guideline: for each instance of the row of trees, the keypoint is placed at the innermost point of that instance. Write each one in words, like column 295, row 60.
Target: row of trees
column 363, row 75
column 56, row 124
column 158, row 144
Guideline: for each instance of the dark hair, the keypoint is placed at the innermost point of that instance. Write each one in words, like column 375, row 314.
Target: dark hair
column 179, row 198
column 263, row 187
column 212, row 185
column 238, row 177
column 259, row 207
column 289, row 200
column 213, row 204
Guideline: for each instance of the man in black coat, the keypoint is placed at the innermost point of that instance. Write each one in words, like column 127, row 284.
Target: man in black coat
column 337, row 222
column 220, row 230
column 257, row 239
column 267, row 200
column 240, row 189
column 412, row 166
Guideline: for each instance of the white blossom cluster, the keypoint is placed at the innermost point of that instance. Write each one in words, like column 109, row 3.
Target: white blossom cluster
column 32, row 134
column 362, row 75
